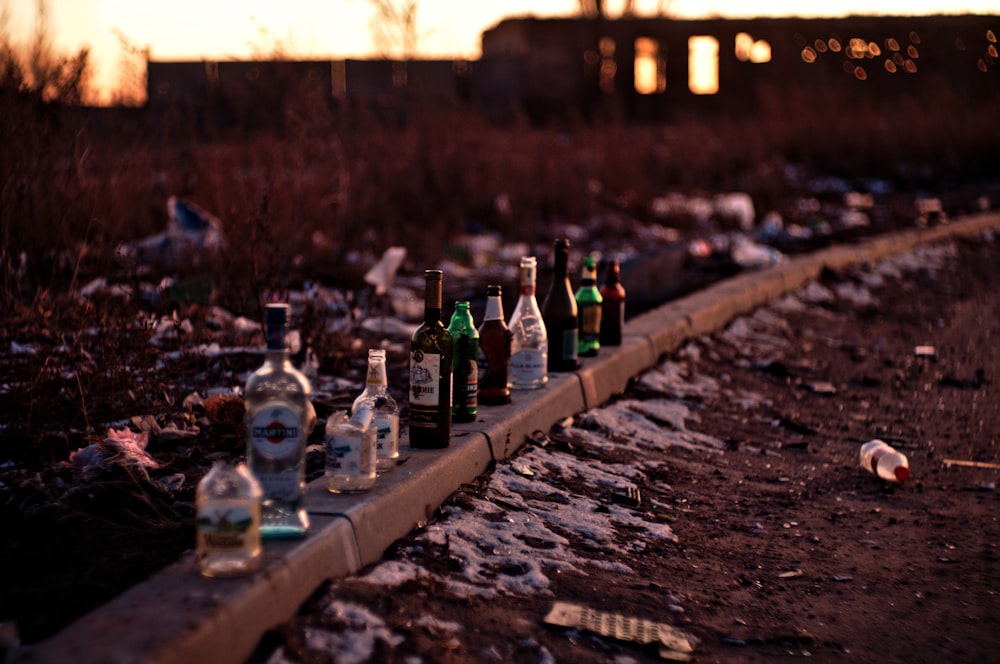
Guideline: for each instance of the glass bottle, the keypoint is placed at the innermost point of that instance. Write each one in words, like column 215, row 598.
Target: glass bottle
column 465, row 364
column 559, row 312
column 529, row 344
column 385, row 411
column 494, row 351
column 350, row 451
column 588, row 303
column 279, row 418
column 613, row 306
column 228, row 529
column 430, row 372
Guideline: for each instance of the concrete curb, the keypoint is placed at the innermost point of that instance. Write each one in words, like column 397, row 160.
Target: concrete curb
column 178, row 617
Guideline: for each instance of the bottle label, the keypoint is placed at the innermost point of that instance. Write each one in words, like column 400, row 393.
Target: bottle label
column 527, row 366
column 387, row 431
column 285, row 486
column 275, row 429
column 590, row 321
column 425, row 371
column 224, row 527
column 468, row 389
column 343, row 453
column 570, row 340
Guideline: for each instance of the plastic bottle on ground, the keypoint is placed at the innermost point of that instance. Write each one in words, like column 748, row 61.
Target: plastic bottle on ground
column 881, row 459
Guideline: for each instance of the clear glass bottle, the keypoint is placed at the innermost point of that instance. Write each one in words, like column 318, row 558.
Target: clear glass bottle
column 350, row 451
column 431, row 355
column 559, row 311
column 529, row 345
column 279, row 418
column 612, row 305
column 385, row 411
column 588, row 304
column 228, row 522
column 494, row 351
column 465, row 364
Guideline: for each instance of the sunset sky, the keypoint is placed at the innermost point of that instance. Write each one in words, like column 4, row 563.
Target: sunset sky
column 235, row 29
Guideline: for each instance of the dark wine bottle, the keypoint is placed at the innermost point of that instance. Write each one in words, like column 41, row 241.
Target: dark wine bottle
column 613, row 306
column 560, row 314
column 430, row 372
column 465, row 365
column 494, row 351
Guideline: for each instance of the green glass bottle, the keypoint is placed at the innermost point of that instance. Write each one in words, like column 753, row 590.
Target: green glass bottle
column 588, row 304
column 465, row 365
column 430, row 372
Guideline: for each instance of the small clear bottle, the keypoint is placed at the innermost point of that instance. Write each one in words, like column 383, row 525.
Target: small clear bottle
column 385, row 411
column 881, row 459
column 529, row 344
column 350, row 451
column 228, row 521
column 279, row 419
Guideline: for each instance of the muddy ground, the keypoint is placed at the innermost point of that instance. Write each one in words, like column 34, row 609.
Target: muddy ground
column 783, row 547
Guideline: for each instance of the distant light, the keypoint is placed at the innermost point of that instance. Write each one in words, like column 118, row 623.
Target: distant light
column 808, row 55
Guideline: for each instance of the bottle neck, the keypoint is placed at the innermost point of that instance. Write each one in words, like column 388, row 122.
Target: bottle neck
column 562, row 263
column 432, row 301
column 527, row 282
column 377, row 378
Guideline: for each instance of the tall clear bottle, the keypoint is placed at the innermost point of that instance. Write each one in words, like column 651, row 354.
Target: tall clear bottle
column 588, row 303
column 559, row 311
column 529, row 344
column 465, row 364
column 385, row 411
column 279, row 418
column 228, row 529
column 494, row 351
column 431, row 354
column 613, row 306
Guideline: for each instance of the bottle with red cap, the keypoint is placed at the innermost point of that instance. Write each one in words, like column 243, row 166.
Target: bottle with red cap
column 883, row 460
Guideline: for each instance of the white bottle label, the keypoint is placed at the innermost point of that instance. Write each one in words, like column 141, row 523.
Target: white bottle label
column 275, row 429
column 527, row 366
column 425, row 368
column 387, row 428
column 344, row 454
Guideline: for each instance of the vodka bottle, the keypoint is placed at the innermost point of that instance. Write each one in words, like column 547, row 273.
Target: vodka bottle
column 465, row 364
column 279, row 418
column 430, row 372
column 228, row 530
column 529, row 345
column 350, row 451
column 613, row 306
column 588, row 303
column 385, row 411
column 494, row 351
column 881, row 459
column 559, row 311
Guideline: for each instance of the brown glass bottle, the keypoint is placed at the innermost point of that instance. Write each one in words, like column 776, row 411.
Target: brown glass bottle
column 494, row 346
column 430, row 372
column 613, row 306
column 559, row 312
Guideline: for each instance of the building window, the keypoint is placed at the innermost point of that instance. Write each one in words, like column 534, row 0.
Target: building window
column 650, row 67
column 703, row 65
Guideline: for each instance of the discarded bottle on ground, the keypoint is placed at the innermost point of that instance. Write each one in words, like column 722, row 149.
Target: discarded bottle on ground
column 279, row 418
column 350, row 451
column 465, row 365
column 228, row 529
column 883, row 460
column 494, row 351
column 376, row 397
column 529, row 346
column 588, row 302
column 431, row 372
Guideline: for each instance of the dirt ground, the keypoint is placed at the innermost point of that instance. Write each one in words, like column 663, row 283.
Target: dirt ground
column 784, row 547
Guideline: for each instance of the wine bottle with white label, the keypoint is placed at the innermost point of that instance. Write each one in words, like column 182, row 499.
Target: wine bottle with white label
column 430, row 372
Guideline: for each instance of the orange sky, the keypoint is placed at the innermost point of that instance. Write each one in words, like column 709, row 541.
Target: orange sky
column 233, row 29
